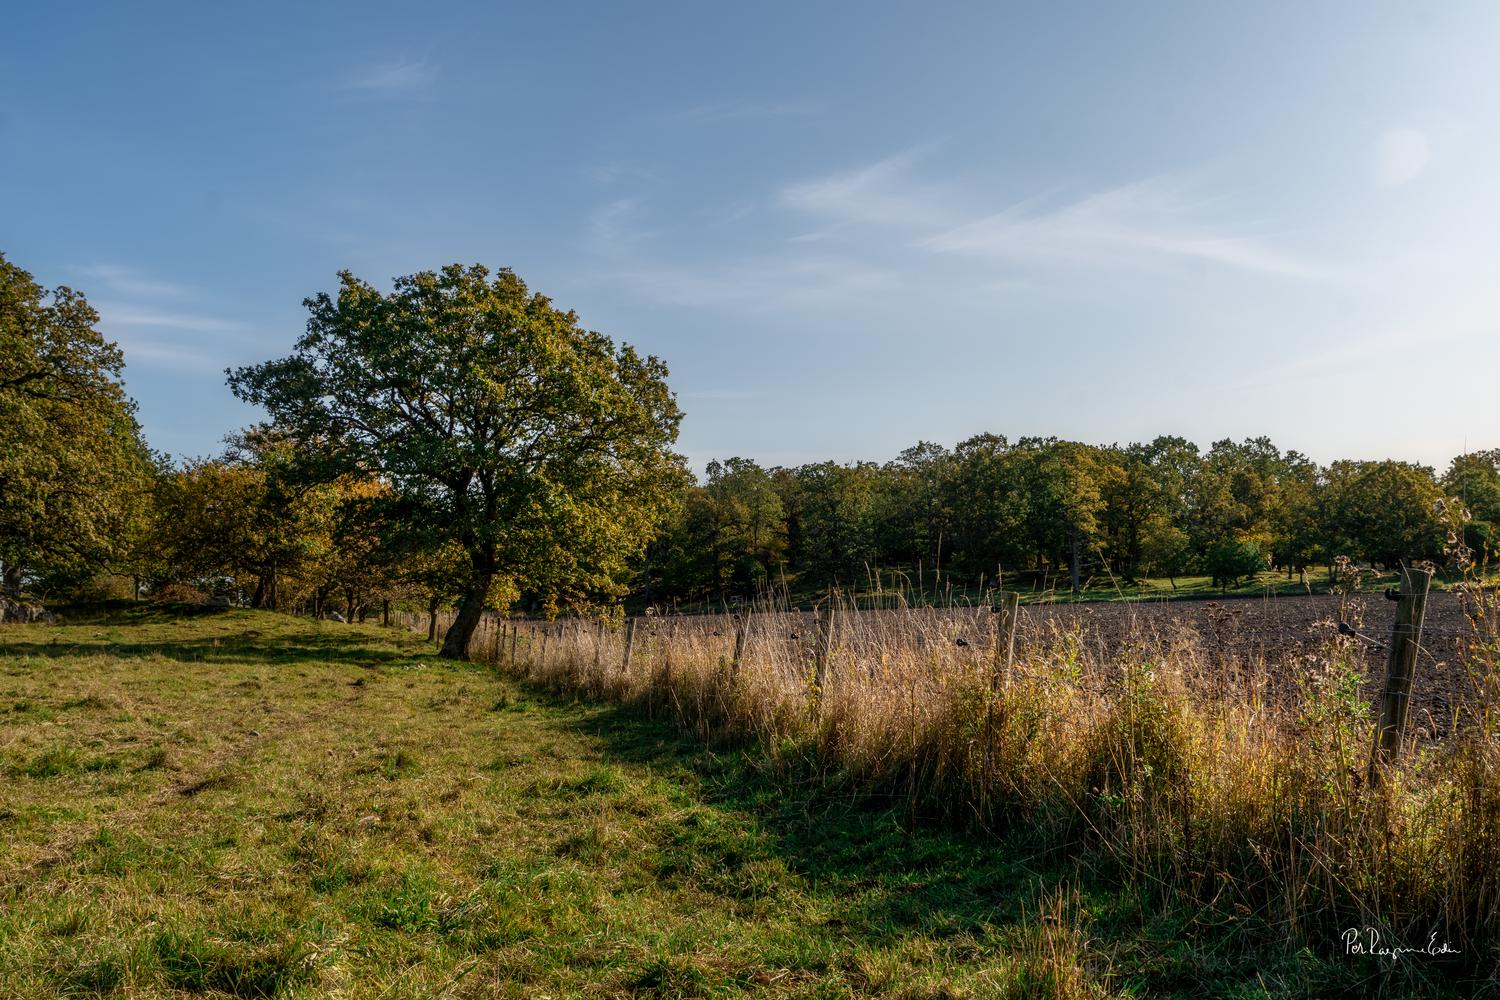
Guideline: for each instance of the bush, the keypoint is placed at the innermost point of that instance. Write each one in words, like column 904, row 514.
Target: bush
column 178, row 593
column 1229, row 562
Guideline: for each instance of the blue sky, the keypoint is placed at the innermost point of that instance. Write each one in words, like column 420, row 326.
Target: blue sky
column 845, row 226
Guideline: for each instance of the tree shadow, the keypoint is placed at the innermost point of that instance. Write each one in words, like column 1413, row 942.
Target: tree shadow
column 249, row 638
column 895, row 873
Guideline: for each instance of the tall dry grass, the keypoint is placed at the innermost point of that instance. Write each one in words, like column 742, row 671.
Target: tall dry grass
column 1234, row 788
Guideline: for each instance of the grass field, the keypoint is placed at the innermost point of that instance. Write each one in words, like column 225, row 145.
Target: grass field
column 249, row 804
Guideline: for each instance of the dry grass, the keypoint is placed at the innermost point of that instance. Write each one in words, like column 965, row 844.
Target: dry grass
column 1204, row 784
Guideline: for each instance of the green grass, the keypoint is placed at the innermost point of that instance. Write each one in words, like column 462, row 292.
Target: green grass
column 247, row 804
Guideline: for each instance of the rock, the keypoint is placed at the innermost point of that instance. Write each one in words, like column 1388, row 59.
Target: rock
column 219, row 601
column 334, row 616
column 15, row 611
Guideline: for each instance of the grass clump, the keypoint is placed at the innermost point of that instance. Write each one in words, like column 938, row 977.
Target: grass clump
column 188, row 960
column 57, row 762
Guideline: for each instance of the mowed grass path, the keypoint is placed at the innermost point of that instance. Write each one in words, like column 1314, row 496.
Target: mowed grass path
column 250, row 804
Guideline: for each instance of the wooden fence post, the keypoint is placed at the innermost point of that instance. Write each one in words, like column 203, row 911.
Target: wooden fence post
column 824, row 620
column 629, row 645
column 1005, row 638
column 1001, row 665
column 515, row 635
column 1401, row 666
column 741, row 637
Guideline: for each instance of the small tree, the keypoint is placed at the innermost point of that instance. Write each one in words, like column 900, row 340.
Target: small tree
column 1164, row 548
column 1230, row 561
column 539, row 448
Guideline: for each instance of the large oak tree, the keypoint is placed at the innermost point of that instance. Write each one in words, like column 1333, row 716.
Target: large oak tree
column 542, row 449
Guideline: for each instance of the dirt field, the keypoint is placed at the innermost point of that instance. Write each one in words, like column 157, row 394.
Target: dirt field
column 1278, row 640
column 1283, row 634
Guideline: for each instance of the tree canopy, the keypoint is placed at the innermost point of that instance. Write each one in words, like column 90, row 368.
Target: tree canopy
column 73, row 469
column 542, row 449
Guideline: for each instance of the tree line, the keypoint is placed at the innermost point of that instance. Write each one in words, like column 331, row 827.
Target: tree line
column 1055, row 513
column 460, row 442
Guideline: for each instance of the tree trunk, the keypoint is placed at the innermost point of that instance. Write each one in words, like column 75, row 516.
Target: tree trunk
column 258, row 599
column 136, row 587
column 646, row 577
column 349, row 605
column 271, row 598
column 1073, row 563
column 11, row 581
column 456, row 644
column 432, row 606
column 385, row 613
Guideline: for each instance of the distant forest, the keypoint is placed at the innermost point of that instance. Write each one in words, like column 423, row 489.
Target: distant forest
column 1056, row 512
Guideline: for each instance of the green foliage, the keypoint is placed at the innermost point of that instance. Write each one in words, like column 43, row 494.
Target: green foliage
column 1229, row 561
column 498, row 423
column 1162, row 547
column 1474, row 480
column 1382, row 512
column 73, row 468
column 831, row 520
column 1040, row 509
column 728, row 536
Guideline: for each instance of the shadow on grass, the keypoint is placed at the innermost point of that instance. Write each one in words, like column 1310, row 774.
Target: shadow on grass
column 259, row 638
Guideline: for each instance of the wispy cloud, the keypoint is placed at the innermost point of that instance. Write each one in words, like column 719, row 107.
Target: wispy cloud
column 894, row 226
column 728, row 111
column 758, row 284
column 1156, row 217
column 168, row 355
column 151, row 325
column 399, row 76
column 615, row 225
column 131, row 281
column 881, row 193
column 1163, row 217
column 620, row 233
column 124, row 314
